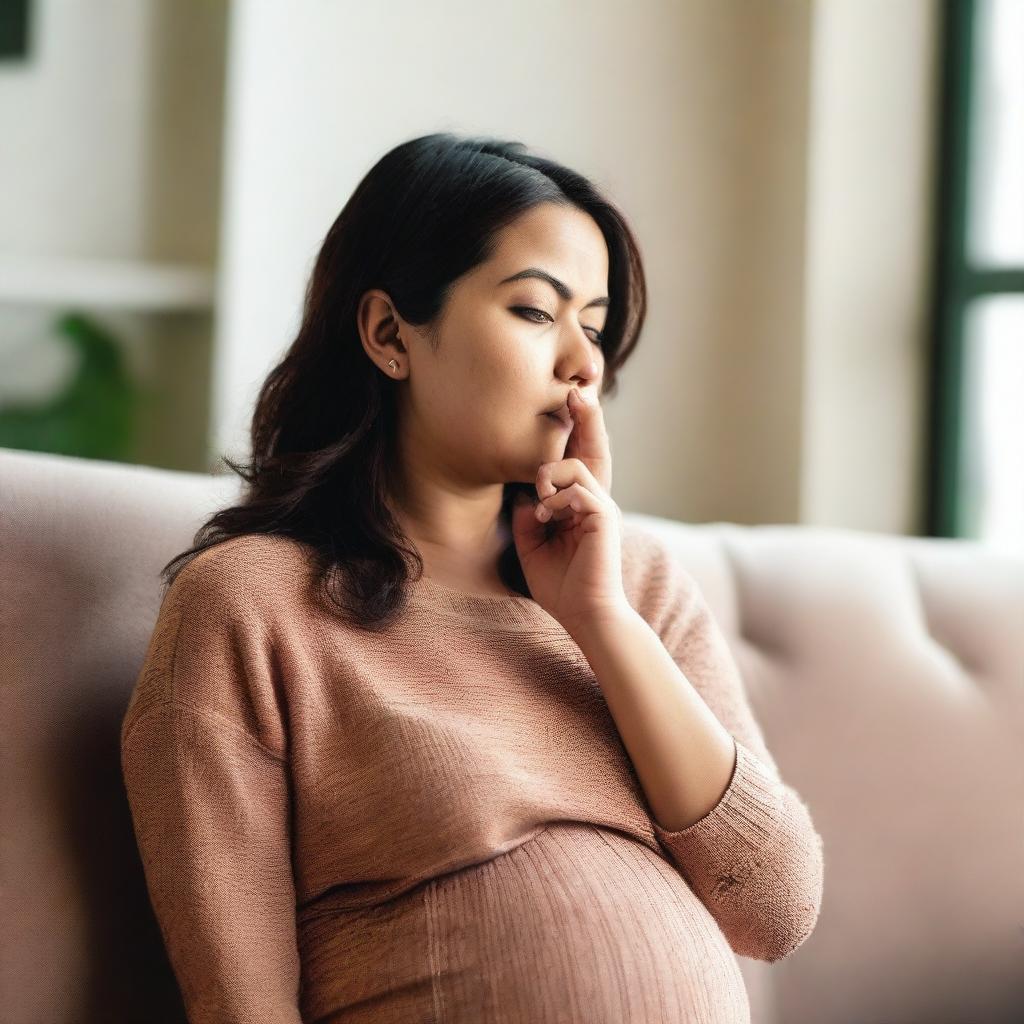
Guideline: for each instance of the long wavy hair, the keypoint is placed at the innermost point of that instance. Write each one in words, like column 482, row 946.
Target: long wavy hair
column 324, row 426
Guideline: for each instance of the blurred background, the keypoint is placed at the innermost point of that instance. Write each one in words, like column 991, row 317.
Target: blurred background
column 829, row 197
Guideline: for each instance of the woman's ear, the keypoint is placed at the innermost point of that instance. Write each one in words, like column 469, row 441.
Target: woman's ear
column 379, row 329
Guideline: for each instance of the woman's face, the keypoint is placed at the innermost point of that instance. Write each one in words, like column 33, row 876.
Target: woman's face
column 475, row 409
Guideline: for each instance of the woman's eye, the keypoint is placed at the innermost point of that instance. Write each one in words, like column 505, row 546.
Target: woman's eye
column 598, row 335
column 529, row 309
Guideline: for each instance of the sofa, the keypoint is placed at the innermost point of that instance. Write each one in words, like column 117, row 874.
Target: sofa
column 887, row 673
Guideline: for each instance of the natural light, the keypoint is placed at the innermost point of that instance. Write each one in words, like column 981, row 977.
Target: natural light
column 996, row 229
column 992, row 452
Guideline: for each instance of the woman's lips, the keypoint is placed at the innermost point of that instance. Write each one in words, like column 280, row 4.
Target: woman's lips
column 556, row 418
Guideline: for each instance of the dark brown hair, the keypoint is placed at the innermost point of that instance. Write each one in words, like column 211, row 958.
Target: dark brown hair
column 323, row 428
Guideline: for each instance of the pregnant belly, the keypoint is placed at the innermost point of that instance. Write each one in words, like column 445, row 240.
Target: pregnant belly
column 578, row 924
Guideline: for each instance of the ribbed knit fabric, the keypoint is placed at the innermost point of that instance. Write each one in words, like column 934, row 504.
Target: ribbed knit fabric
column 439, row 822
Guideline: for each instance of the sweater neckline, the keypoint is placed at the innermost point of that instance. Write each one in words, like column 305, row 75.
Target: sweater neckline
column 503, row 609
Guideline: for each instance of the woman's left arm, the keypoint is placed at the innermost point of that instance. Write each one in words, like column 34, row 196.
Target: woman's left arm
column 741, row 837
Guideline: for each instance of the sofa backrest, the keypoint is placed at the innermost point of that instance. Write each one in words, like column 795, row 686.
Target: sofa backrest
column 887, row 674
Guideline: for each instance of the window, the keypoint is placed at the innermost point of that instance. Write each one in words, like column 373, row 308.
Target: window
column 976, row 464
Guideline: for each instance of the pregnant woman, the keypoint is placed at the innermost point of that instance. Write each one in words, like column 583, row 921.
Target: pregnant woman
column 425, row 732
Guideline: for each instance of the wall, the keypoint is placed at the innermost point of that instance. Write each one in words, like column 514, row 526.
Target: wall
column 869, row 239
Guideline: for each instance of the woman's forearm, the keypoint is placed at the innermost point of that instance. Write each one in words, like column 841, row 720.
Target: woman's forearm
column 683, row 756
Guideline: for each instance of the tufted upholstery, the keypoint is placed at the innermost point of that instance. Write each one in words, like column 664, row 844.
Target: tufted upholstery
column 887, row 673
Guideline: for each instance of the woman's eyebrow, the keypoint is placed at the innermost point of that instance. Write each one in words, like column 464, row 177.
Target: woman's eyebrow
column 563, row 290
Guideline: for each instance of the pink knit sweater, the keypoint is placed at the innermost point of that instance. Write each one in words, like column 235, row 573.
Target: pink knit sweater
column 439, row 822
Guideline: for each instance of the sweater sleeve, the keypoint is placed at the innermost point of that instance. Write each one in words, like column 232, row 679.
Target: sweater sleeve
column 210, row 804
column 755, row 859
